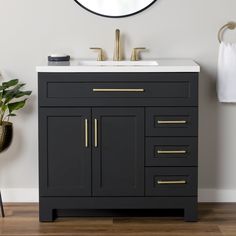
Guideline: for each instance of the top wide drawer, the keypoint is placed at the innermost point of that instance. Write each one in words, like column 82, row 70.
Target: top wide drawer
column 118, row 89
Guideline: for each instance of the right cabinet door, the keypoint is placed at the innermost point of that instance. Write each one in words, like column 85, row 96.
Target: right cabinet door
column 118, row 152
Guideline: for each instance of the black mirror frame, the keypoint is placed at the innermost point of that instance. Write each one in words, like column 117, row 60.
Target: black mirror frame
column 143, row 9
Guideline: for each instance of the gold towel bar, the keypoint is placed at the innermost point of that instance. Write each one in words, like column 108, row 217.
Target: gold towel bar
column 230, row 25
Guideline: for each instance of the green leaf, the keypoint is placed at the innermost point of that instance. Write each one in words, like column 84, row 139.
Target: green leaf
column 16, row 105
column 23, row 93
column 10, row 83
column 11, row 98
column 4, row 108
column 11, row 93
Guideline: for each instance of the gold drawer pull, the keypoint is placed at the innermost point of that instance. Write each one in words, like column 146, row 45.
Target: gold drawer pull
column 117, row 90
column 171, row 152
column 172, row 122
column 171, row 182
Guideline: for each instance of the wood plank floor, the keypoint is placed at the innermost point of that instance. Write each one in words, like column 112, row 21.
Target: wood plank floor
column 214, row 220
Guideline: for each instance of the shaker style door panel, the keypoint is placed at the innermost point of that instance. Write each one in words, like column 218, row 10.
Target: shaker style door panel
column 65, row 151
column 118, row 151
column 172, row 121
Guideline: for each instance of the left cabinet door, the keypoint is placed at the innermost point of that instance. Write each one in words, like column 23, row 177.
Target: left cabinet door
column 65, row 151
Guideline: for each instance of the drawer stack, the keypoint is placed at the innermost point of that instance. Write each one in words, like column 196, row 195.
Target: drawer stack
column 171, row 151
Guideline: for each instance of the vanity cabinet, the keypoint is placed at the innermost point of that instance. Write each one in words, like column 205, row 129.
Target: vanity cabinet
column 117, row 141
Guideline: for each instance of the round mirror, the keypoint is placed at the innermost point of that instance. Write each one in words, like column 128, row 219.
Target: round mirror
column 115, row 8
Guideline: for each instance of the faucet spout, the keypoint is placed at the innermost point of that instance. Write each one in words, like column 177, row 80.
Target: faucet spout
column 117, row 50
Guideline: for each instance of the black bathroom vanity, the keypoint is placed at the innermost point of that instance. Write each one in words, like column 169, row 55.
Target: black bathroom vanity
column 118, row 138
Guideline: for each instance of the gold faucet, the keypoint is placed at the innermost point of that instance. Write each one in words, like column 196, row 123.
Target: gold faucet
column 135, row 54
column 100, row 53
column 117, row 50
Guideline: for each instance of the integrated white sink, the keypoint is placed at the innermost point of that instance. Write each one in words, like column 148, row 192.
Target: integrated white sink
column 159, row 65
column 118, row 63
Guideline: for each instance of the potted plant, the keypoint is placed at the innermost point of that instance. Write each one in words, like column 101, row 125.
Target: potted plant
column 12, row 98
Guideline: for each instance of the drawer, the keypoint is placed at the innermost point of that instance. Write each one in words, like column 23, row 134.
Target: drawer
column 171, row 151
column 130, row 89
column 172, row 121
column 171, row 181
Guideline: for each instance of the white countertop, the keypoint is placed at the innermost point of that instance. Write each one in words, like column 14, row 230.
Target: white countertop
column 165, row 65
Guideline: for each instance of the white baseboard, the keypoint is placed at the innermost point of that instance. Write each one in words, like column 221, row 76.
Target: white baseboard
column 20, row 195
column 31, row 195
column 217, row 195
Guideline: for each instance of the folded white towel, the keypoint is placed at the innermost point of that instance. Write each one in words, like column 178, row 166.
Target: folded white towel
column 226, row 82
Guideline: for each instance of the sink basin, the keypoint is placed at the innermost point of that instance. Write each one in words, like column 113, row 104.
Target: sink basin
column 118, row 63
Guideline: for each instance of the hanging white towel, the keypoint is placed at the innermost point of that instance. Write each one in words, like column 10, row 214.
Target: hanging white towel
column 226, row 82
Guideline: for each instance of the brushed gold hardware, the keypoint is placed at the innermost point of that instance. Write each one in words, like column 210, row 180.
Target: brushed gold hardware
column 171, row 121
column 162, row 182
column 230, row 26
column 117, row 50
column 135, row 53
column 86, row 132
column 171, row 152
column 95, row 132
column 118, row 90
column 100, row 53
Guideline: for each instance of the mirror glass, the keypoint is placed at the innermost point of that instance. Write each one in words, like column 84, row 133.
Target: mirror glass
column 115, row 8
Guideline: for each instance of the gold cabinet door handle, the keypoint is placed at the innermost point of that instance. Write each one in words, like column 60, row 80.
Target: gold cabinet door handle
column 86, row 132
column 171, row 152
column 95, row 133
column 118, row 90
column 172, row 122
column 163, row 182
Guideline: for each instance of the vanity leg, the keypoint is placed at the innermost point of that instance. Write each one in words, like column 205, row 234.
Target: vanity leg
column 1, row 205
column 46, row 214
column 190, row 214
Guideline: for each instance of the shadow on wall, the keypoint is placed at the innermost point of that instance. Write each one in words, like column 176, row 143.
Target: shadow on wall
column 12, row 153
column 29, row 108
column 209, row 132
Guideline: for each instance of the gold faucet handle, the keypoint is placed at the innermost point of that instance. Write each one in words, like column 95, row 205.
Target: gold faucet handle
column 100, row 53
column 135, row 53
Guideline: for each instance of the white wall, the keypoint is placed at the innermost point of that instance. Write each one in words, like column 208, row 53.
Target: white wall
column 31, row 29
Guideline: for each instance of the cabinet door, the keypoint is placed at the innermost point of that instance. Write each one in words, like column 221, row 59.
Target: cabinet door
column 118, row 151
column 65, row 151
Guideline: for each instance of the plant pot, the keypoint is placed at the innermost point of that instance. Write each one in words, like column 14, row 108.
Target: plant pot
column 6, row 133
